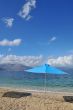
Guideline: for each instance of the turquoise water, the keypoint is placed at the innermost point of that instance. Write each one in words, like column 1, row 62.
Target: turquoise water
column 36, row 81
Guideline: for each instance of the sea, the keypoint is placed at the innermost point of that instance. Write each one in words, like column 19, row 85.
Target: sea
column 34, row 81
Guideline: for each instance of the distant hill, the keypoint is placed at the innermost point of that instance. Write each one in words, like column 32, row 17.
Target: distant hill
column 20, row 67
column 13, row 67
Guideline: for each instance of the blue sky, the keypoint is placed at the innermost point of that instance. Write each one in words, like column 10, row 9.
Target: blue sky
column 47, row 28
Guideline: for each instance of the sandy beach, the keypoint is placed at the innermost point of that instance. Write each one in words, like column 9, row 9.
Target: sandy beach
column 12, row 99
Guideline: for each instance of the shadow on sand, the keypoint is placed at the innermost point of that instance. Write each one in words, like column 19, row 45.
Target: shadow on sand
column 68, row 99
column 13, row 94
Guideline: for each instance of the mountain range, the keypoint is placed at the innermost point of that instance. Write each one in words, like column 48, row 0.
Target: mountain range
column 13, row 67
column 20, row 67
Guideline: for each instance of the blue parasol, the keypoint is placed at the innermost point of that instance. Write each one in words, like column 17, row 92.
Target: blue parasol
column 47, row 69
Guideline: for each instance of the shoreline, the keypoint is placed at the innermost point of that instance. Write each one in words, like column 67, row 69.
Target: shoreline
column 34, row 90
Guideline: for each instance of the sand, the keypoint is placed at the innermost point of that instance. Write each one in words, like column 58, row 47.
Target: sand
column 11, row 99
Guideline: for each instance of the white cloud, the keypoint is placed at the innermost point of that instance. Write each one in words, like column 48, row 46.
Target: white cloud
column 28, row 18
column 6, row 42
column 25, row 60
column 52, row 39
column 63, row 61
column 26, row 9
column 8, row 21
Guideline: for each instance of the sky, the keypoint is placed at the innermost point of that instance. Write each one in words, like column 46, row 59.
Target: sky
column 38, row 29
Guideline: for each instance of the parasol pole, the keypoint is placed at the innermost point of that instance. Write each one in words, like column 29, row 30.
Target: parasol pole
column 45, row 81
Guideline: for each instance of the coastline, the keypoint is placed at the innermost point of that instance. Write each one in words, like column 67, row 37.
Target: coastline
column 34, row 90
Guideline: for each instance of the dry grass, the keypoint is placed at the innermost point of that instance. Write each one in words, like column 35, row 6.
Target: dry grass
column 10, row 100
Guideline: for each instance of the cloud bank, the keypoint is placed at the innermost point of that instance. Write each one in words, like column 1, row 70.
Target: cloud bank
column 25, row 60
column 6, row 42
column 61, row 61
column 26, row 9
column 8, row 21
